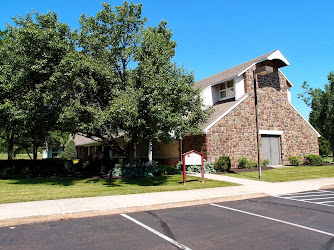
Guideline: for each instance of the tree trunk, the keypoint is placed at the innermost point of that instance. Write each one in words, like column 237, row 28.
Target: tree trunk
column 131, row 152
column 10, row 141
column 333, row 154
column 34, row 151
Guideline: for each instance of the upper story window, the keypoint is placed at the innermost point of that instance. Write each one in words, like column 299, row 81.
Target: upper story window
column 226, row 90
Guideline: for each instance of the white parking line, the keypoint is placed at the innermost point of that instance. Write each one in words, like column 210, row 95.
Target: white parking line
column 320, row 197
column 312, row 195
column 324, row 202
column 301, row 193
column 273, row 219
column 314, row 199
column 174, row 242
column 327, row 191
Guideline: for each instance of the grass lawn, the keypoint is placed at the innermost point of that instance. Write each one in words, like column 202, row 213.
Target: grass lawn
column 289, row 173
column 32, row 189
column 20, row 156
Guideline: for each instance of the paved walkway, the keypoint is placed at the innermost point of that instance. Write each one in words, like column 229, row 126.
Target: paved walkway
column 27, row 212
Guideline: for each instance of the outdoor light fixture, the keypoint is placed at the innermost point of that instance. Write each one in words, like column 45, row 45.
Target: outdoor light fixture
column 259, row 71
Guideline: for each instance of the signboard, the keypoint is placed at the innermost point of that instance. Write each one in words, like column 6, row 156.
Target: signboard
column 192, row 158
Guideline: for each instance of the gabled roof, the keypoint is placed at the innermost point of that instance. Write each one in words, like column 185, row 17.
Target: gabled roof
column 81, row 140
column 238, row 70
column 219, row 111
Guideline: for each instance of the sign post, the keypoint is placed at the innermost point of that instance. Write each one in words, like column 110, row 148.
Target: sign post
column 192, row 158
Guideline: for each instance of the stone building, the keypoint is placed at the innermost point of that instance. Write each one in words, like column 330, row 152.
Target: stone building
column 231, row 130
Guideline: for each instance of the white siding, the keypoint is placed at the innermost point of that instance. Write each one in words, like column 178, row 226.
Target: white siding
column 206, row 95
column 289, row 94
column 239, row 87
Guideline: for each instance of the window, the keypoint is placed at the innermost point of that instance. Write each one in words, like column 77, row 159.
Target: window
column 226, row 90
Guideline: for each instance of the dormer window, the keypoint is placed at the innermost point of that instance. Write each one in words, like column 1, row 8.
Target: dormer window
column 226, row 90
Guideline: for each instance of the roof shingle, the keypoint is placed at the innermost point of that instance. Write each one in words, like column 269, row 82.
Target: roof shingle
column 229, row 73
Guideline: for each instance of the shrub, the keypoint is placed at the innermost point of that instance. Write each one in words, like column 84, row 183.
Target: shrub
column 223, row 164
column 136, row 170
column 314, row 160
column 243, row 163
column 252, row 164
column 36, row 168
column 208, row 167
column 294, row 160
column 97, row 166
column 166, row 170
column 69, row 152
column 265, row 162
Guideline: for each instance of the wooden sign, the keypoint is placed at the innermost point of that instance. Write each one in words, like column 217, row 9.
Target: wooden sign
column 192, row 158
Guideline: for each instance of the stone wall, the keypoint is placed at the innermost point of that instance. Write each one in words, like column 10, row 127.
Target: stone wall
column 234, row 135
column 276, row 113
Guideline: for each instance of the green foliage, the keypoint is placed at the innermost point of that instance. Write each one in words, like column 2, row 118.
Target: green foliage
column 243, row 163
column 109, row 96
column 70, row 151
column 209, row 167
column 30, row 99
column 321, row 117
column 37, row 168
column 294, row 160
column 265, row 163
column 252, row 164
column 97, row 166
column 313, row 160
column 324, row 146
column 223, row 164
column 166, row 170
column 139, row 169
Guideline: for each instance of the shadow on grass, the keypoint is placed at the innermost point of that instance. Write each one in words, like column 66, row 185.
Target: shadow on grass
column 68, row 181
column 181, row 182
column 47, row 181
column 147, row 181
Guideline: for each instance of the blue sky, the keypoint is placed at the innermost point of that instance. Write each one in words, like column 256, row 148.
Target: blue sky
column 215, row 35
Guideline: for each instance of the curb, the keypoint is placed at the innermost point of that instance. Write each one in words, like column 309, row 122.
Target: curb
column 328, row 186
column 71, row 216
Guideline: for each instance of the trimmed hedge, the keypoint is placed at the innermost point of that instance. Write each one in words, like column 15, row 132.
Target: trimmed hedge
column 34, row 168
column 314, row 160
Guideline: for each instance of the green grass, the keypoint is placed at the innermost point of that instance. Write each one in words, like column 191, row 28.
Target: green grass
column 32, row 189
column 290, row 173
column 19, row 156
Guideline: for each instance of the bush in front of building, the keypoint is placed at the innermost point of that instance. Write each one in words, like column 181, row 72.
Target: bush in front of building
column 314, row 160
column 209, row 167
column 35, row 168
column 166, row 170
column 70, row 151
column 223, row 164
column 243, row 163
column 265, row 163
column 294, row 160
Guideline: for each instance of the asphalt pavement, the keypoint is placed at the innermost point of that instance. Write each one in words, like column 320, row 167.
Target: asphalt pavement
column 36, row 211
column 259, row 223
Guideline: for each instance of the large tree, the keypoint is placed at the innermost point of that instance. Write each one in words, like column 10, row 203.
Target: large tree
column 30, row 100
column 321, row 102
column 125, row 82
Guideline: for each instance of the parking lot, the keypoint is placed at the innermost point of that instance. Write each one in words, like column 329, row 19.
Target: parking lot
column 296, row 221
